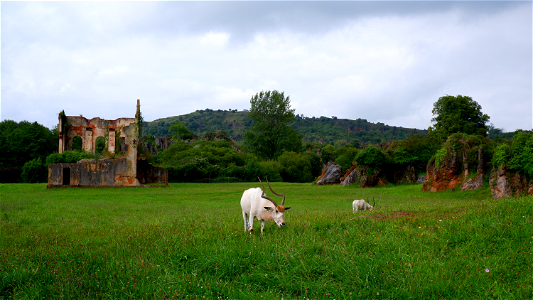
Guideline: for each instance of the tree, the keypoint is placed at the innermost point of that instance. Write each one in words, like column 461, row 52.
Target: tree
column 372, row 157
column 24, row 141
column 454, row 114
column 271, row 132
column 180, row 132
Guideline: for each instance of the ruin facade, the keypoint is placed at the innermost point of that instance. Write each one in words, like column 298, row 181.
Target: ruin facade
column 129, row 170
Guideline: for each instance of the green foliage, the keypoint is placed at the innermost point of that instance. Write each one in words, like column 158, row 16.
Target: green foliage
column 440, row 157
column 296, row 167
column 68, row 157
column 371, row 156
column 521, row 158
column 345, row 156
column 34, row 171
column 453, row 114
column 270, row 169
column 139, row 121
column 180, row 132
column 187, row 240
column 24, row 141
column 316, row 162
column 271, row 133
column 501, row 155
column 203, row 160
column 327, row 153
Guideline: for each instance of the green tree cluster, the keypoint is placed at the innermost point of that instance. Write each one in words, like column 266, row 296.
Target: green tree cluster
column 218, row 161
column 454, row 114
column 271, row 133
column 516, row 155
column 23, row 148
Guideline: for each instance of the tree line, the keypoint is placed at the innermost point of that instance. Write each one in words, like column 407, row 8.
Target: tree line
column 270, row 146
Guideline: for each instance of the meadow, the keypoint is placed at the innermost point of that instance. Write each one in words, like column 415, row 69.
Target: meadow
column 187, row 241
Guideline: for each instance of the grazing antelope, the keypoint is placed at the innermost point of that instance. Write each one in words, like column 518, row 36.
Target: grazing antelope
column 362, row 205
column 255, row 204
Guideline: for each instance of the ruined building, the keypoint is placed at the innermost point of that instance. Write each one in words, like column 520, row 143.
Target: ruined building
column 120, row 136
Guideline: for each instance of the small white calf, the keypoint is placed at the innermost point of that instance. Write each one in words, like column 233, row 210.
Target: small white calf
column 362, row 205
column 255, row 204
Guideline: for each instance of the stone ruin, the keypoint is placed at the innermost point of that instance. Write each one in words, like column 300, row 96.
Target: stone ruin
column 129, row 170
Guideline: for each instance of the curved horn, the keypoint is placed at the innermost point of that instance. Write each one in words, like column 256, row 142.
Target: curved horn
column 265, row 196
column 282, row 201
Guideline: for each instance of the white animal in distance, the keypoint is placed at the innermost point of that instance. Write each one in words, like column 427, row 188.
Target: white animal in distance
column 362, row 205
column 256, row 204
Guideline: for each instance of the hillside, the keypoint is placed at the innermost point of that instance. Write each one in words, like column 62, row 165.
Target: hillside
column 322, row 130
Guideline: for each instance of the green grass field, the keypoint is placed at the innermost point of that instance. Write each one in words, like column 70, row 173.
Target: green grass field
column 188, row 242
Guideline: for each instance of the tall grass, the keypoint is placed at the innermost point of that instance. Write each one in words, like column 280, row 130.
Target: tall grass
column 188, row 242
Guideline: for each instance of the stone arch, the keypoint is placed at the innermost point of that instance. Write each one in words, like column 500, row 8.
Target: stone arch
column 77, row 143
column 100, row 145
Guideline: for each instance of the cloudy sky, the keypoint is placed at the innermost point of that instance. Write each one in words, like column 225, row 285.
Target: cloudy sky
column 381, row 61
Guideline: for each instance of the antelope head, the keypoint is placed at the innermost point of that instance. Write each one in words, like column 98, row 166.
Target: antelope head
column 278, row 210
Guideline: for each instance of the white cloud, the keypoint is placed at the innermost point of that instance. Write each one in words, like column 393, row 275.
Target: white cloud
column 178, row 57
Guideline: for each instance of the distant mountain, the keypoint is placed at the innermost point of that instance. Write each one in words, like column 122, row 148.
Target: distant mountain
column 322, row 130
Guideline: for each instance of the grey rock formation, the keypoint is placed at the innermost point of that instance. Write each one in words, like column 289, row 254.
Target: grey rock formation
column 332, row 175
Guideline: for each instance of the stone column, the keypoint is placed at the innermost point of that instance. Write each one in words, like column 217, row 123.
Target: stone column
column 60, row 129
column 111, row 141
column 88, row 140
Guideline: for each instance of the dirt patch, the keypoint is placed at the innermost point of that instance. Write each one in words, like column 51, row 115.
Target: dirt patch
column 385, row 216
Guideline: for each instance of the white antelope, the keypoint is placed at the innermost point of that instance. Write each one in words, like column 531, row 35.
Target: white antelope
column 255, row 204
column 362, row 205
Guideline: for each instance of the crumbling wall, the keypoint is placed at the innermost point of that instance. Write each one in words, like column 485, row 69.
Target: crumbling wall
column 90, row 130
column 104, row 172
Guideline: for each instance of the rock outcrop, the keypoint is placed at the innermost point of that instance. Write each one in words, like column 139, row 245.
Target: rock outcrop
column 447, row 177
column 350, row 177
column 453, row 165
column 365, row 177
column 504, row 183
column 331, row 175
column 405, row 174
column 473, row 183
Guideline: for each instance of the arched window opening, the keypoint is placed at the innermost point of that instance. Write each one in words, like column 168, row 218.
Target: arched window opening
column 100, row 145
column 77, row 143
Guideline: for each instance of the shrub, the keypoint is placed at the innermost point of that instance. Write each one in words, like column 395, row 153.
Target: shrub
column 67, row 157
column 271, row 169
column 501, row 155
column 521, row 159
column 316, row 162
column 372, row 157
column 296, row 167
column 34, row 171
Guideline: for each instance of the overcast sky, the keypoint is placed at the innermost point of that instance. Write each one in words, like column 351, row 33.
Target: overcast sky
column 381, row 61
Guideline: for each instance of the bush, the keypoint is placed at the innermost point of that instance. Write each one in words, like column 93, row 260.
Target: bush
column 327, row 153
column 296, row 167
column 501, row 155
column 316, row 162
column 34, row 171
column 270, row 169
column 67, row 157
column 344, row 161
column 521, row 158
column 372, row 157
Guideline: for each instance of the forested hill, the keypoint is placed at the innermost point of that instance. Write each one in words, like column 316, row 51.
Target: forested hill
column 324, row 130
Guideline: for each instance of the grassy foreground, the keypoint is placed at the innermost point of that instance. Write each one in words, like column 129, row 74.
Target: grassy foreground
column 187, row 242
